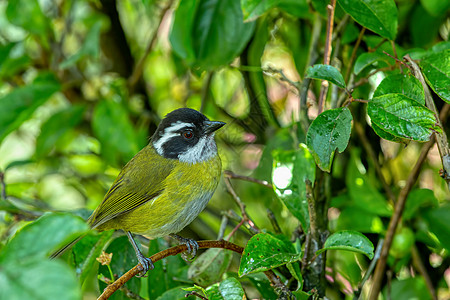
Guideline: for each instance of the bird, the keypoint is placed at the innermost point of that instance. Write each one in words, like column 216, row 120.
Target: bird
column 165, row 186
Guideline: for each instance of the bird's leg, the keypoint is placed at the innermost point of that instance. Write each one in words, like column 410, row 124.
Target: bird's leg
column 192, row 246
column 145, row 262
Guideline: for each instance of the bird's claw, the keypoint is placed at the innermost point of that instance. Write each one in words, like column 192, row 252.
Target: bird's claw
column 146, row 264
column 191, row 245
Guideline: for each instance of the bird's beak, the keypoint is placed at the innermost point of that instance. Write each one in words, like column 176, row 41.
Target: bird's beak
column 212, row 126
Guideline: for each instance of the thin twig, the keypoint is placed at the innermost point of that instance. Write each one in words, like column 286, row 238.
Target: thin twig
column 236, row 228
column 373, row 157
column 353, row 56
column 232, row 175
column 312, row 57
column 369, row 269
column 196, row 294
column 274, row 222
column 418, row 264
column 206, row 90
column 223, row 226
column 137, row 72
column 252, row 227
column 327, row 53
column 3, row 185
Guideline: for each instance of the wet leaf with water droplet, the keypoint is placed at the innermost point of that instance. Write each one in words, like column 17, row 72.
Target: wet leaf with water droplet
column 402, row 117
column 328, row 132
column 349, row 240
column 264, row 252
column 436, row 69
column 290, row 170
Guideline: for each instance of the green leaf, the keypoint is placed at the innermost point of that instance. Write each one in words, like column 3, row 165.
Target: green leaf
column 355, row 218
column 161, row 277
column 290, row 170
column 436, row 7
column 43, row 236
column 423, row 27
column 363, row 193
column 295, row 271
column 407, row 289
column 231, row 289
column 366, row 59
column 328, row 132
column 209, row 33
column 350, row 241
column 380, row 16
column 264, row 252
column 90, row 48
column 437, row 220
column 19, row 105
column 13, row 59
column 38, row 279
column 387, row 136
column 407, row 85
column 402, row 116
column 213, row 293
column 28, row 15
column 112, row 126
column 436, row 69
column 175, row 294
column 123, row 259
column 262, row 284
column 326, row 72
column 252, row 9
column 209, row 267
column 419, row 199
column 56, row 126
column 86, row 251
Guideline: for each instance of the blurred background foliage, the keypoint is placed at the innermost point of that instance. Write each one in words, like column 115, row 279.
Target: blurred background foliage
column 83, row 85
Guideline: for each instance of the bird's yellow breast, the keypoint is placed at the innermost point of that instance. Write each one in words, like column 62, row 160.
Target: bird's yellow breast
column 187, row 190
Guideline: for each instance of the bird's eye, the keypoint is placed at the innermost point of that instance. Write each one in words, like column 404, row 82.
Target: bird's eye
column 188, row 134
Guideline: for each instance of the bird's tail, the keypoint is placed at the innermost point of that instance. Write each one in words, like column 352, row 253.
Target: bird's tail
column 66, row 247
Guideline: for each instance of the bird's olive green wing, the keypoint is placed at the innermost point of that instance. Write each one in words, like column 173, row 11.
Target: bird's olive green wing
column 140, row 181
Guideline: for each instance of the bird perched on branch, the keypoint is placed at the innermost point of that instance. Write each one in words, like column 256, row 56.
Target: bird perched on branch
column 166, row 185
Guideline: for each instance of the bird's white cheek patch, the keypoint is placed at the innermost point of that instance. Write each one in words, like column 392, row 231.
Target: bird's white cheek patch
column 205, row 149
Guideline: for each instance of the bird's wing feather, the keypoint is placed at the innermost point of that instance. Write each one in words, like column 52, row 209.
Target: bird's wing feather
column 140, row 181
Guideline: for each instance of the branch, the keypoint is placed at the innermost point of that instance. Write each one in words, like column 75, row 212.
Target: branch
column 327, row 52
column 399, row 206
column 304, row 86
column 398, row 210
column 230, row 174
column 353, row 56
column 206, row 90
column 275, row 281
column 418, row 264
column 110, row 289
column 251, row 225
column 441, row 137
column 137, row 72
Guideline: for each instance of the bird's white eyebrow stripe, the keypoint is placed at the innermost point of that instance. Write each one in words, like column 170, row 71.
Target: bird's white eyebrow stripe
column 177, row 126
column 170, row 132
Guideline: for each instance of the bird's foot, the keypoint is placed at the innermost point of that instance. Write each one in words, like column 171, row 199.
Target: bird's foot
column 192, row 247
column 145, row 265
